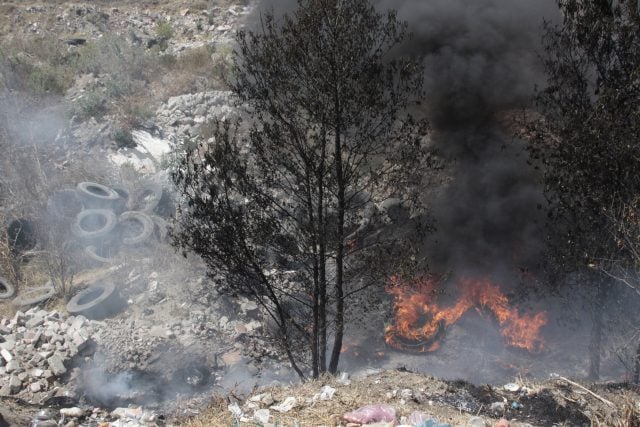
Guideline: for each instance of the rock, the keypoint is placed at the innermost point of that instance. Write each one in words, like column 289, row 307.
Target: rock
column 235, row 410
column 36, row 373
column 74, row 412
column 6, row 355
column 56, row 365
column 35, row 387
column 12, row 366
column 288, row 404
column 15, row 385
column 34, row 322
column 263, row 398
column 8, row 345
column 262, row 416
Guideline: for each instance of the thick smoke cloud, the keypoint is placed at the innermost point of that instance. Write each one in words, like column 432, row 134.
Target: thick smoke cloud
column 481, row 59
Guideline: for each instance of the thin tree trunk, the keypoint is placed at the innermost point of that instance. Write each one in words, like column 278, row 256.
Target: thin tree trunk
column 322, row 317
column 316, row 287
column 322, row 239
column 339, row 290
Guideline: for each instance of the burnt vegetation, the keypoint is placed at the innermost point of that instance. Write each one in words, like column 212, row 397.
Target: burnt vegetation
column 329, row 134
column 587, row 148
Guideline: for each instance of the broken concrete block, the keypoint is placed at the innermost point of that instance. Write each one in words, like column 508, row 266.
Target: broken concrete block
column 15, row 385
column 34, row 322
column 35, row 387
column 36, row 373
column 12, row 366
column 6, row 355
column 56, row 365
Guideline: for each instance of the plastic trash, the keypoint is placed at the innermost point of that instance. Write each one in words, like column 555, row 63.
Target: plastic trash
column 371, row 414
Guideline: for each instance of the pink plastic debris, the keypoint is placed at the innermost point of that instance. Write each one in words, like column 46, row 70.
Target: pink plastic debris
column 371, row 414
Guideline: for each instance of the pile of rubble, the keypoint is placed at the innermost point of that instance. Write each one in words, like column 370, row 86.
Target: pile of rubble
column 36, row 348
column 182, row 116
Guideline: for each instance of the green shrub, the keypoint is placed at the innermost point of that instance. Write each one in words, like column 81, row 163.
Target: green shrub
column 164, row 32
column 92, row 104
column 123, row 138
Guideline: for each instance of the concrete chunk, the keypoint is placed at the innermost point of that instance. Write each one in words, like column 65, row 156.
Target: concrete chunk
column 15, row 385
column 6, row 355
column 56, row 365
column 34, row 322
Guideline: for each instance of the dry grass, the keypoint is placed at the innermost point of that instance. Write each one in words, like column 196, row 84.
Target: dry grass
column 379, row 388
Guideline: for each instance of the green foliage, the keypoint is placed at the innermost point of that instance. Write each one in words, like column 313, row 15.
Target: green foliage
column 164, row 33
column 123, row 138
column 43, row 67
column 92, row 104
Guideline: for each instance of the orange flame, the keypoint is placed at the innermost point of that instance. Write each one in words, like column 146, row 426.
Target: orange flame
column 420, row 322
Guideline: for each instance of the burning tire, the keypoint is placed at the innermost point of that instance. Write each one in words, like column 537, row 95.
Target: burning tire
column 35, row 295
column 64, row 204
column 21, row 233
column 7, row 290
column 93, row 224
column 96, row 302
column 137, row 228
column 96, row 195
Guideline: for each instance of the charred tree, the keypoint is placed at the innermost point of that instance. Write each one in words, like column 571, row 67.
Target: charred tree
column 591, row 106
column 328, row 102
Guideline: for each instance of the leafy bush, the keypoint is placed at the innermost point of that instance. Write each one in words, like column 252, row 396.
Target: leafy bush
column 93, row 104
column 123, row 138
column 164, row 32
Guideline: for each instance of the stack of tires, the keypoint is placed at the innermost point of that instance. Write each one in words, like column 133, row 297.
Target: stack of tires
column 113, row 218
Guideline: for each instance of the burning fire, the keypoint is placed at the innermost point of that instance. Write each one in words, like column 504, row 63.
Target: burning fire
column 420, row 322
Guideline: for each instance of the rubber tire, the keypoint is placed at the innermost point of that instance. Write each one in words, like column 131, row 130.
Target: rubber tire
column 102, row 233
column 96, row 200
column 147, row 230
column 149, row 205
column 23, row 300
column 160, row 230
column 91, row 252
column 106, row 303
column 121, row 204
column 21, row 233
column 9, row 289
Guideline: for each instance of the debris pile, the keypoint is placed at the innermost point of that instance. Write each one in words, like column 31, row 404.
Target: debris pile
column 36, row 348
